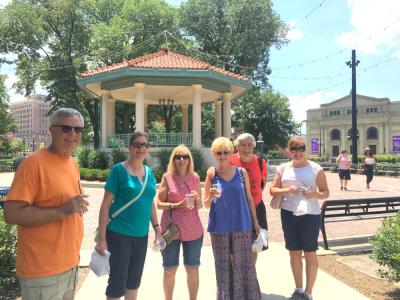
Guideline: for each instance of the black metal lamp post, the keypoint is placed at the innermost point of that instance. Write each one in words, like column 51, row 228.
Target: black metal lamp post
column 260, row 144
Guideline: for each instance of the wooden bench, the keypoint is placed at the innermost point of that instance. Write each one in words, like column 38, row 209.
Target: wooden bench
column 356, row 209
column 388, row 171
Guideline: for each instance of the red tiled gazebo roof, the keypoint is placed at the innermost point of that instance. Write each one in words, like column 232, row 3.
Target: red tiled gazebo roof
column 163, row 59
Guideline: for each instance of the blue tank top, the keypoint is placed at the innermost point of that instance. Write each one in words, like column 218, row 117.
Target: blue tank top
column 230, row 212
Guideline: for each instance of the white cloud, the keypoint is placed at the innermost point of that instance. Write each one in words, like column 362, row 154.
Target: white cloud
column 3, row 3
column 376, row 23
column 294, row 33
column 300, row 104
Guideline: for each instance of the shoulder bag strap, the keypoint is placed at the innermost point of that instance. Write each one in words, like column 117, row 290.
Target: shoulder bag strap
column 134, row 199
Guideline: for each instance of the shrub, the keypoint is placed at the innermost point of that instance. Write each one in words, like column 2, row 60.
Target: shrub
column 274, row 154
column 8, row 240
column 94, row 174
column 158, row 173
column 98, row 159
column 386, row 248
column 198, row 158
column 163, row 157
column 117, row 156
column 202, row 173
column 83, row 157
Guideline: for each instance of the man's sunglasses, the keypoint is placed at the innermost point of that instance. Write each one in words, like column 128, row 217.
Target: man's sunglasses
column 181, row 157
column 140, row 145
column 219, row 153
column 67, row 128
column 297, row 149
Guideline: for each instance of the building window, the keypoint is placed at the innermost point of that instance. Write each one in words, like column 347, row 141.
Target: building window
column 335, row 135
column 350, row 135
column 349, row 111
column 334, row 113
column 372, row 133
column 371, row 110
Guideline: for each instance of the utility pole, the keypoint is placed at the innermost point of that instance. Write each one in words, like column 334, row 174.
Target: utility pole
column 353, row 64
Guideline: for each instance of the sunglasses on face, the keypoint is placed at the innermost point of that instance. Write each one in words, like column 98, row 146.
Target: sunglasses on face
column 219, row 153
column 181, row 157
column 140, row 145
column 67, row 128
column 297, row 149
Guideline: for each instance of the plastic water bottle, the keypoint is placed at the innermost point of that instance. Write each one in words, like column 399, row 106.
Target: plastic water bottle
column 159, row 244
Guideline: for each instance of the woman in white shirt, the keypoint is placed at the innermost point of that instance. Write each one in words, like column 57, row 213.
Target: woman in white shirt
column 368, row 161
column 301, row 183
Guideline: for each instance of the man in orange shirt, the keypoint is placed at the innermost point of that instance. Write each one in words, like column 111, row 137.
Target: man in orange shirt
column 46, row 202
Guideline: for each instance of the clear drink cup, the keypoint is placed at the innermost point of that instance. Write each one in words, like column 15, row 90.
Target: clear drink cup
column 189, row 201
column 217, row 188
column 159, row 245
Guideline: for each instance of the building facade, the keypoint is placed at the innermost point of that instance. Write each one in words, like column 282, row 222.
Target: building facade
column 31, row 118
column 329, row 128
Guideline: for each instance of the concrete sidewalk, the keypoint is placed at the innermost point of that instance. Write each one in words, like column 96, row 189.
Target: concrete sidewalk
column 273, row 270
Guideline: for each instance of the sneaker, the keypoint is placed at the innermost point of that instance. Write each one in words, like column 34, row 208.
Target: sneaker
column 367, row 186
column 341, row 188
column 345, row 189
column 298, row 296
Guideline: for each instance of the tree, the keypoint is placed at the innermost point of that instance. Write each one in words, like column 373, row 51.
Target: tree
column 265, row 112
column 236, row 34
column 7, row 122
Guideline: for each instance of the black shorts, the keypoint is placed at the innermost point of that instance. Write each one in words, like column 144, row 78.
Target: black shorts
column 126, row 262
column 262, row 218
column 344, row 174
column 300, row 232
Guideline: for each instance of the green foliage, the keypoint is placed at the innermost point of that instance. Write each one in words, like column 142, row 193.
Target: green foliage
column 202, row 173
column 274, row 154
column 83, row 157
column 387, row 158
column 267, row 113
column 156, row 127
column 7, row 122
column 8, row 240
column 198, row 158
column 117, row 156
column 158, row 173
column 163, row 158
column 98, row 159
column 94, row 174
column 316, row 158
column 386, row 247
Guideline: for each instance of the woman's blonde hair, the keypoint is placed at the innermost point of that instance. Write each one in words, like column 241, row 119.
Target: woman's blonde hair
column 181, row 149
column 296, row 139
column 221, row 142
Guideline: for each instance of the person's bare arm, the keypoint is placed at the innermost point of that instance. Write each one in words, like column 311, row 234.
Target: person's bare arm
column 322, row 192
column 103, row 221
column 162, row 197
column 26, row 214
column 154, row 221
column 208, row 194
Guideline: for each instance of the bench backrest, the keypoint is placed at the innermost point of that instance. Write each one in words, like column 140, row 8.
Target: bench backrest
column 357, row 207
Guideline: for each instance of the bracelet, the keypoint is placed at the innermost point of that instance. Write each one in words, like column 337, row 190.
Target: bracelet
column 156, row 225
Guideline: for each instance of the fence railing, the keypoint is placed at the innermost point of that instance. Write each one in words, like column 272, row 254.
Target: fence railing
column 156, row 140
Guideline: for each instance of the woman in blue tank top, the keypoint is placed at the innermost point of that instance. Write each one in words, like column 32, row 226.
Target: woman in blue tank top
column 231, row 220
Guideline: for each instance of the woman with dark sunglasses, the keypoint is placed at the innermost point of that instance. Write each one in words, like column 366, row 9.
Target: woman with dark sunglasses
column 231, row 221
column 179, row 197
column 301, row 183
column 125, row 235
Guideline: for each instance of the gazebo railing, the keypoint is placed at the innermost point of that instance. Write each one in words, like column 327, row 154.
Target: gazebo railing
column 156, row 140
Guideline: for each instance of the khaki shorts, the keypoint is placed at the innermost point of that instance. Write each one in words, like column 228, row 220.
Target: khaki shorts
column 56, row 287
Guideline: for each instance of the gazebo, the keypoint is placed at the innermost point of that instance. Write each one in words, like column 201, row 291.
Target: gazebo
column 148, row 79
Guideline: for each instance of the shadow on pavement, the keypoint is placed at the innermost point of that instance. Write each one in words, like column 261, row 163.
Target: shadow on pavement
column 272, row 297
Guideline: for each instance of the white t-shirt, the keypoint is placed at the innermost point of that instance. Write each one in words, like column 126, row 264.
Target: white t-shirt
column 303, row 177
column 369, row 161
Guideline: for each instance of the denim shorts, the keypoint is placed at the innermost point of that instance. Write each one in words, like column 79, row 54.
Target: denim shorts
column 191, row 253
column 301, row 232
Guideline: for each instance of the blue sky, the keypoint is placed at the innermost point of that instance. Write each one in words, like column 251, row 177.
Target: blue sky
column 310, row 69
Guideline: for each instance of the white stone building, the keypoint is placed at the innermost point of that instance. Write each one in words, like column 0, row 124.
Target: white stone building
column 378, row 126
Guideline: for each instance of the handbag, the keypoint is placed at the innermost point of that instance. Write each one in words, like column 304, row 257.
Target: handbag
column 129, row 203
column 172, row 230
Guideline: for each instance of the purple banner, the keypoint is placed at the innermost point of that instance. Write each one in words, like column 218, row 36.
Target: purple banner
column 314, row 146
column 396, row 143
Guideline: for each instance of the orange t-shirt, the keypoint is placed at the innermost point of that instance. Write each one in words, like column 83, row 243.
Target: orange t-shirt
column 47, row 180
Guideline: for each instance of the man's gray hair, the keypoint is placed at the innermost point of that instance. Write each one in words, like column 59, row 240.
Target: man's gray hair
column 65, row 112
column 245, row 136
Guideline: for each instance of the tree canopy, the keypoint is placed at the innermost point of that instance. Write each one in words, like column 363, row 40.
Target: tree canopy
column 7, row 122
column 56, row 40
